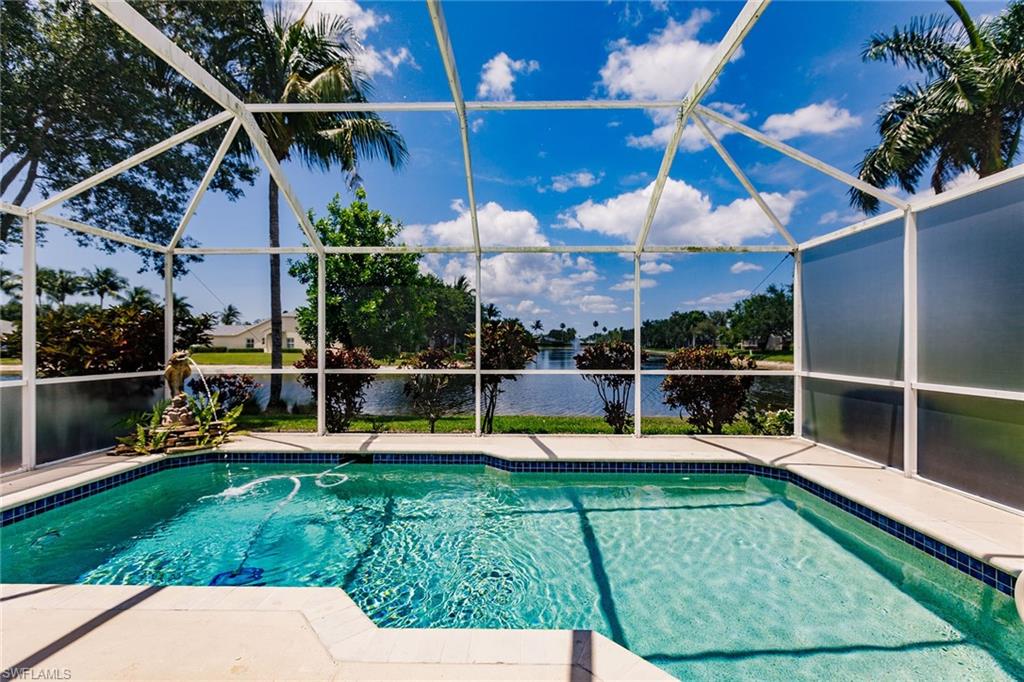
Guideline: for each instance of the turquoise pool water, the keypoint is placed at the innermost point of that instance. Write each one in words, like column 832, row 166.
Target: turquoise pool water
column 709, row 577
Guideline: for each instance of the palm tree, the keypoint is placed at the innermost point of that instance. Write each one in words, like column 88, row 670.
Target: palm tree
column 287, row 60
column 139, row 297
column 63, row 283
column 490, row 312
column 966, row 115
column 10, row 283
column 537, row 326
column 103, row 282
column 230, row 315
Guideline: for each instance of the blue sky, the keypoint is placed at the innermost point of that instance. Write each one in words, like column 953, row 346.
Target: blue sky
column 583, row 177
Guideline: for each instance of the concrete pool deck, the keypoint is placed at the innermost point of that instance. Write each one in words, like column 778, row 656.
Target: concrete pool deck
column 318, row 633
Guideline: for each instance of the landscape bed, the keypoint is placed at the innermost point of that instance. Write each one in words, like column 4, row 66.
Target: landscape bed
column 707, row 570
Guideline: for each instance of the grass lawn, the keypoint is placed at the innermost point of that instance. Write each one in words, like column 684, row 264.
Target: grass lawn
column 254, row 358
column 774, row 356
column 10, row 361
column 510, row 424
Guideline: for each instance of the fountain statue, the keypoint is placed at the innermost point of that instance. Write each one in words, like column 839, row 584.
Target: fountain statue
column 177, row 370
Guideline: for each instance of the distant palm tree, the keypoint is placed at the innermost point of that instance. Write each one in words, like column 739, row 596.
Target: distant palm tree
column 537, row 326
column 604, row 330
column 596, row 324
column 10, row 283
column 62, row 284
column 301, row 61
column 139, row 297
column 103, row 282
column 230, row 315
column 561, row 325
column 966, row 115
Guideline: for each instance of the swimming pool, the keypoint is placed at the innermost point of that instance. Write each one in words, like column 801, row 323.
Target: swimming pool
column 707, row 576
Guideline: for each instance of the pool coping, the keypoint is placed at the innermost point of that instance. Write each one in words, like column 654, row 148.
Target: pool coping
column 15, row 507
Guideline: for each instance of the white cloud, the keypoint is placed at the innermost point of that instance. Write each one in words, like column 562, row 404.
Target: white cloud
column 594, row 303
column 373, row 62
column 499, row 74
column 655, row 267
column 476, row 124
column 528, row 307
column 720, row 299
column 833, row 217
column 627, row 283
column 692, row 139
column 968, row 177
column 567, row 181
column 497, row 226
column 685, row 216
column 743, row 266
column 819, row 119
column 664, row 67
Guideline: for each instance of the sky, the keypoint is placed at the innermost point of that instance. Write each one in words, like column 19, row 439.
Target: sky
column 582, row 177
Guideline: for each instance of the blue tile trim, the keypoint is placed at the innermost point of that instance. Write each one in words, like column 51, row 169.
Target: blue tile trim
column 979, row 570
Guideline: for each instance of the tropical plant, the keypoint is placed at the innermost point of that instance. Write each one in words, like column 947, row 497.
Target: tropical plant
column 708, row 402
column 435, row 396
column 760, row 316
column 103, row 282
column 968, row 112
column 146, row 437
column 139, row 296
column 506, row 345
column 61, row 284
column 213, row 424
column 298, row 60
column 537, row 326
column 230, row 315
column 346, row 393
column 613, row 389
column 10, row 283
column 490, row 312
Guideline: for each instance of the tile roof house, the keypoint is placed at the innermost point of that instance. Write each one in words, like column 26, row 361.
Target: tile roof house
column 256, row 336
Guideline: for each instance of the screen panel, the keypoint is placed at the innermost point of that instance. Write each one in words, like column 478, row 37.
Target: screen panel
column 864, row 420
column 971, row 290
column 853, row 304
column 10, row 428
column 973, row 444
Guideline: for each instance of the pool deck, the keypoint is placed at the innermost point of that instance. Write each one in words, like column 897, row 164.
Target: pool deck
column 129, row 632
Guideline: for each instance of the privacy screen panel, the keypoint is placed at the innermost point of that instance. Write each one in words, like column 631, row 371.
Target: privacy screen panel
column 852, row 294
column 971, row 290
column 974, row 444
column 864, row 420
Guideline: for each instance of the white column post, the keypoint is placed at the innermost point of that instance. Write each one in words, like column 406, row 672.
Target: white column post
column 28, row 341
column 168, row 309
column 479, row 338
column 798, row 344
column 909, row 343
column 321, row 344
column 637, row 378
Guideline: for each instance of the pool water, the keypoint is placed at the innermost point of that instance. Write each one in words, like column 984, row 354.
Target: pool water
column 709, row 577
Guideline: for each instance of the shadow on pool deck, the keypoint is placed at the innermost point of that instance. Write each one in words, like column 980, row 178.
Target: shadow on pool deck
column 35, row 658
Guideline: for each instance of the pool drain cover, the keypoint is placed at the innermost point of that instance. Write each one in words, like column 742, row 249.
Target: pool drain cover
column 237, row 578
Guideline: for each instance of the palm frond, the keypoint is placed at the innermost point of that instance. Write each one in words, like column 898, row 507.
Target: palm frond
column 927, row 44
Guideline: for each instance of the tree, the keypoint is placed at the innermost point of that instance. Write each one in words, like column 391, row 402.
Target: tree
column 377, row 301
column 451, row 312
column 80, row 95
column 346, row 393
column 299, row 60
column 490, row 312
column 968, row 112
column 138, row 296
column 506, row 345
column 760, row 316
column 230, row 315
column 709, row 402
column 61, row 284
column 537, row 326
column 613, row 389
column 435, row 396
column 103, row 282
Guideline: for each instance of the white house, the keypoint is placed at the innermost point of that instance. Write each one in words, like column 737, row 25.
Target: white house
column 256, row 336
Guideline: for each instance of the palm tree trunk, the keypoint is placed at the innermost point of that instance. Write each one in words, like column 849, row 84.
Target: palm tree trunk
column 12, row 172
column 275, row 402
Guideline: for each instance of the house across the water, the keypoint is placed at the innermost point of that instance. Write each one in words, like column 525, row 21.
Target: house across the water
column 256, row 336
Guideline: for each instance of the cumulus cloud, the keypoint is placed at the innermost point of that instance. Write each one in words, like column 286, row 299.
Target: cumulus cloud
column 498, row 75
column 627, row 283
column 595, row 303
column 685, row 216
column 692, row 139
column 833, row 217
column 653, row 267
column 821, row 119
column 741, row 266
column 721, row 299
column 528, row 307
column 567, row 181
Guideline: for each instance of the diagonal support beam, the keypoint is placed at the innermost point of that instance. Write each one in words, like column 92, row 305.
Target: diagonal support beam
column 745, row 20
column 76, row 226
column 444, row 43
column 744, row 180
column 193, row 204
column 804, row 158
column 132, row 161
column 136, row 25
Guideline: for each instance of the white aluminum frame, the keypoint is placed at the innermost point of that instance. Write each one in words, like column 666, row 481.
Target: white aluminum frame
column 241, row 116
